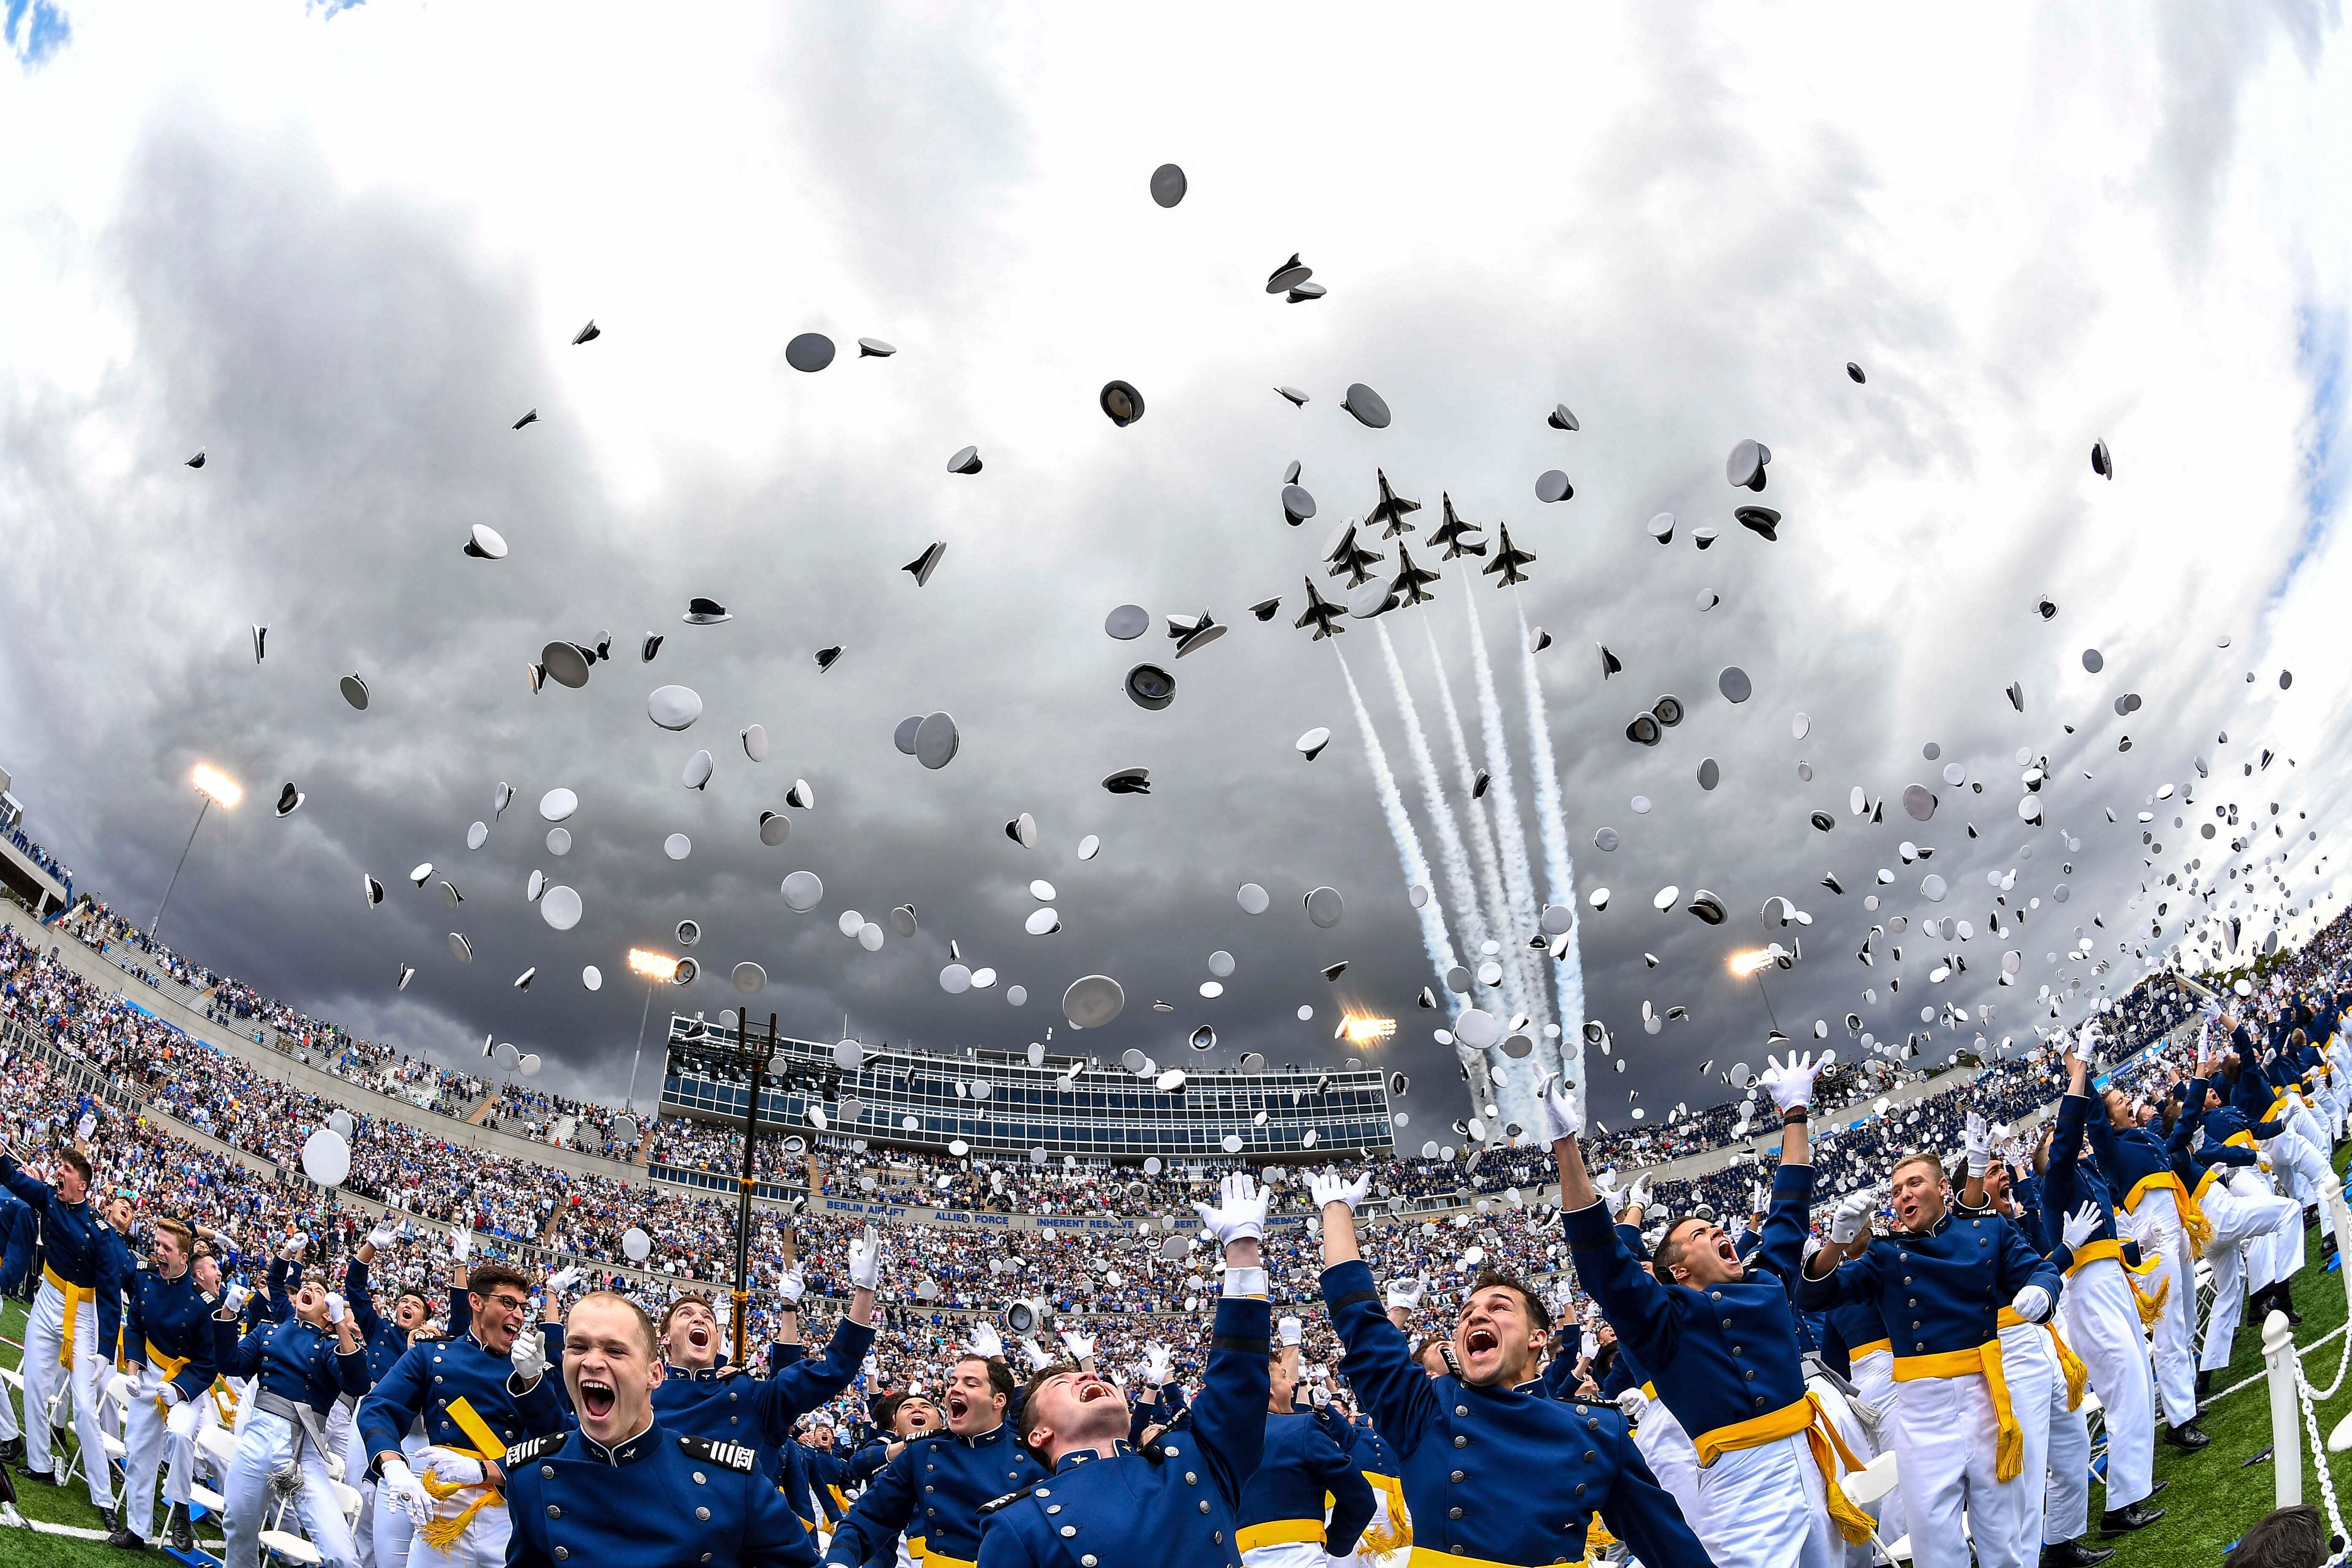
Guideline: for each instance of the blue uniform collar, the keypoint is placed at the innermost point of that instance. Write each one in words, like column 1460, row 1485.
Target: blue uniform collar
column 994, row 1435
column 1072, row 1461
column 626, row 1452
column 708, row 1375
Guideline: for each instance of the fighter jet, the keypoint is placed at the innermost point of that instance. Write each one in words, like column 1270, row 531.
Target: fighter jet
column 1408, row 585
column 1348, row 554
column 1391, row 509
column 1454, row 533
column 1507, row 561
column 1321, row 614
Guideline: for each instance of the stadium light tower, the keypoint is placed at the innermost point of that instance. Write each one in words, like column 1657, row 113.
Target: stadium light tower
column 213, row 785
column 656, row 967
column 751, row 1058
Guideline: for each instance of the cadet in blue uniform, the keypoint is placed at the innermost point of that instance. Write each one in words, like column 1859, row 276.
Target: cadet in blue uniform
column 622, row 1490
column 1719, row 1338
column 1494, row 1471
column 2218, row 1146
column 300, row 1366
column 1175, row 1503
column 62, row 1331
column 1940, row 1284
column 1282, row 1506
column 2155, row 1209
column 167, row 1344
column 451, row 1407
column 387, row 1530
column 20, row 1227
column 933, row 1491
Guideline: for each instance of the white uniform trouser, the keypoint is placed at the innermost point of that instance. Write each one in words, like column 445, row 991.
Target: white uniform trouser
column 2103, row 1325
column 1667, row 1448
column 265, row 1446
column 2296, row 1154
column 9, row 1430
column 1286, row 1555
column 390, row 1524
column 157, row 1441
column 1944, row 1433
column 1873, row 1377
column 2238, row 1219
column 2066, row 1495
column 2279, row 1257
column 45, row 1328
column 2008, row 1526
column 1765, row 1508
column 2156, row 1227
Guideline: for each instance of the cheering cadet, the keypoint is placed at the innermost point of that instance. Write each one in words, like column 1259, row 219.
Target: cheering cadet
column 454, row 1405
column 622, row 1490
column 1282, row 1506
column 301, row 1367
column 2244, row 1212
column 167, row 1343
column 1494, row 1471
column 385, row 1532
column 1170, row 1504
column 2157, row 1213
column 1939, row 1283
column 2102, row 1308
column 933, row 1490
column 62, row 1331
column 1719, row 1340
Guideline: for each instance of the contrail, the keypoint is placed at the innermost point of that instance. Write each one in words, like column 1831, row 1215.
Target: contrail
column 1518, row 880
column 1490, row 880
column 1460, row 890
column 1559, row 876
column 1408, row 842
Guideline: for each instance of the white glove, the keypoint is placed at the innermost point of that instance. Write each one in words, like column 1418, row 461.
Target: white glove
column 383, row 1236
column 334, row 1309
column 2080, row 1227
column 986, row 1342
column 1790, row 1083
column 1157, row 1365
column 865, row 1261
column 2032, row 1304
column 1039, row 1359
column 528, row 1355
column 1633, row 1402
column 461, row 1243
column 407, row 1490
column 1078, row 1344
column 1240, row 1212
column 2086, row 1045
column 1291, row 1330
column 1638, row 1194
column 1975, row 1141
column 1852, row 1217
column 238, row 1295
column 563, row 1278
column 1560, row 1117
column 1760, row 1197
column 1328, row 1186
column 1406, row 1293
column 1317, row 1396
column 293, row 1246
column 452, row 1468
column 169, row 1393
column 792, row 1284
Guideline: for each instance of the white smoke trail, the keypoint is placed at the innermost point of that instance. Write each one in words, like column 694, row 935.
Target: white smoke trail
column 1461, row 891
column 1490, row 880
column 1414, row 864
column 1518, row 878
column 1559, row 875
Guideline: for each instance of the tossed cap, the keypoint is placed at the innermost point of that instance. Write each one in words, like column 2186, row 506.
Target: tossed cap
column 1128, row 781
column 1092, row 1001
column 1127, row 622
column 289, row 800
column 560, row 907
column 355, row 692
column 1121, row 403
column 1552, row 485
column 936, row 740
column 705, row 613
column 485, row 544
column 965, row 461
column 922, row 567
column 875, row 348
column 804, row 890
column 1559, row 418
column 1168, row 185
column 1370, row 409
column 1288, row 276
column 809, row 352
column 673, row 707
column 1310, row 745
column 1325, row 906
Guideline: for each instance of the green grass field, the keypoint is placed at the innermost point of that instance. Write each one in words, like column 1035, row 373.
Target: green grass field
column 2214, row 1496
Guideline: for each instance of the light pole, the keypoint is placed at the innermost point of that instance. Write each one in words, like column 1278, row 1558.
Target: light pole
column 213, row 785
column 656, row 967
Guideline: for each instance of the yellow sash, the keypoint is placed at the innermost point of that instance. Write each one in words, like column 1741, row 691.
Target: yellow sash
column 1430, row 1557
column 941, row 1560
column 2193, row 1223
column 167, row 1367
column 1856, row 1353
column 1273, row 1533
column 75, row 1296
column 1397, row 1532
column 1984, row 1359
column 2152, row 1307
column 442, row 1533
column 1805, row 1416
column 2078, row 1376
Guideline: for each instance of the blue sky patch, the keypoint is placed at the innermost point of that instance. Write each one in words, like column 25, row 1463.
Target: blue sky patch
column 35, row 30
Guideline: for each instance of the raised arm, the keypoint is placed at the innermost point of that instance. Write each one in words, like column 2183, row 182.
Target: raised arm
column 1379, row 1358
column 1230, row 1415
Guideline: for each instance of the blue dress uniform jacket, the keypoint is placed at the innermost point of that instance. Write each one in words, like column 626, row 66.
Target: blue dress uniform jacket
column 1855, row 1329
column 19, row 1227
column 1718, row 1357
column 2073, row 1181
column 1283, row 1500
column 69, row 1236
column 662, row 1500
column 1941, row 1291
column 293, row 1360
column 168, row 1319
column 463, row 1392
column 118, row 1276
column 1176, row 1507
column 933, row 1493
column 383, row 1341
column 1496, row 1475
column 732, row 1405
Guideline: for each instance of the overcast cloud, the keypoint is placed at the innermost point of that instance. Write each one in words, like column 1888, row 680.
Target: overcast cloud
column 342, row 251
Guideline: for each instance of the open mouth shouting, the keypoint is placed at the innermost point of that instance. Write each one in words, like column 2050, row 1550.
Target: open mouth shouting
column 1480, row 1340
column 1727, row 1252
column 957, row 1406
column 1090, row 1389
column 698, row 1337
column 596, row 1398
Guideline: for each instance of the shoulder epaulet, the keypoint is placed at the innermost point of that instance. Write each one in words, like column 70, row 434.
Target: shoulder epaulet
column 734, row 1455
column 416, row 1340
column 998, row 1505
column 532, row 1449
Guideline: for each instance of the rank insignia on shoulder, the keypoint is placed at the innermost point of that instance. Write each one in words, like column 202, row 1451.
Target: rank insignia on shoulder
column 532, row 1449
column 997, row 1505
column 734, row 1455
